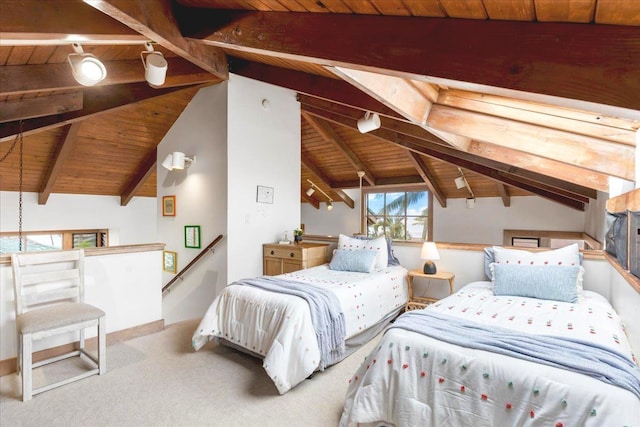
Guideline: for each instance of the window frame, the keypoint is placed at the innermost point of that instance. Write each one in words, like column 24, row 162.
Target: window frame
column 398, row 189
column 102, row 237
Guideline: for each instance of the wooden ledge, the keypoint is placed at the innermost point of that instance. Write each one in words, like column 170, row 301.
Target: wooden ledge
column 108, row 250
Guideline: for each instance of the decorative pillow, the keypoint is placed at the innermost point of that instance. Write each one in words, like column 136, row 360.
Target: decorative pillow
column 551, row 282
column 391, row 258
column 360, row 260
column 379, row 245
column 567, row 256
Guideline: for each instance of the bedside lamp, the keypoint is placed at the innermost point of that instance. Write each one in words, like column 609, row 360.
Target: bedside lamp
column 429, row 252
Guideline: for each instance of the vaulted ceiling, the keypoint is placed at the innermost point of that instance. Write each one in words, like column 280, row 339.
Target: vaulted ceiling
column 525, row 97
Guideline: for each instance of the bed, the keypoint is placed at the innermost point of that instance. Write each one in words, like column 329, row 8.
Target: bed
column 280, row 325
column 490, row 356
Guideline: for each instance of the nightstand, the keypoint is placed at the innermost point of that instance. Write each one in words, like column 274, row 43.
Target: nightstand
column 422, row 302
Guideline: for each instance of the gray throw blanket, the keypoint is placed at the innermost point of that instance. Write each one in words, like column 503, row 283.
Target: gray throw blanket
column 326, row 313
column 574, row 355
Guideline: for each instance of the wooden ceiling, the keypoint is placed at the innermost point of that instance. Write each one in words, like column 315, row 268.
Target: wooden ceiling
column 526, row 97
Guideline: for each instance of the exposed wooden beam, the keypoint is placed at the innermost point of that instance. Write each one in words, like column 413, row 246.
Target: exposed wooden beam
column 504, row 194
column 331, row 136
column 42, row 106
column 313, row 201
column 62, row 153
column 143, row 171
column 155, row 19
column 586, row 123
column 307, row 163
column 97, row 100
column 582, row 151
column 19, row 79
column 592, row 63
column 386, row 182
column 459, row 158
column 428, row 178
column 337, row 91
column 548, row 172
column 59, row 22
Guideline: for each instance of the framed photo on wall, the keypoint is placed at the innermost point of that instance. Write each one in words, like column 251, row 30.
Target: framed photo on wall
column 192, row 236
column 170, row 261
column 169, row 206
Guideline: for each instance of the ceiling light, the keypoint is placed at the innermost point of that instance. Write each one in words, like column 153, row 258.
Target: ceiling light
column 460, row 182
column 329, row 205
column 177, row 160
column 86, row 68
column 313, row 188
column 155, row 66
column 310, row 191
column 370, row 121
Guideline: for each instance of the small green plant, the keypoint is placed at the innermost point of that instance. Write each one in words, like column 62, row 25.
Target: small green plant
column 298, row 232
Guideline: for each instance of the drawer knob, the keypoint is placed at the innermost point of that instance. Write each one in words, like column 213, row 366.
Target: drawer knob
column 291, row 255
column 272, row 252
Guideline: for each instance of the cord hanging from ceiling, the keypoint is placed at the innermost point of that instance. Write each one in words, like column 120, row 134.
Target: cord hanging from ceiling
column 13, row 146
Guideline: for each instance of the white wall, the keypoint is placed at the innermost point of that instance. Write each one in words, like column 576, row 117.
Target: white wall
column 263, row 149
column 131, row 224
column 483, row 224
column 201, row 193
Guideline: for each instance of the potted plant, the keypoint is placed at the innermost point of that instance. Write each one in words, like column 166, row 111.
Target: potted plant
column 297, row 235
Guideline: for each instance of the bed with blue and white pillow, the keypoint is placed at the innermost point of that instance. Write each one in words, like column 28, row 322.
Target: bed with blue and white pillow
column 529, row 347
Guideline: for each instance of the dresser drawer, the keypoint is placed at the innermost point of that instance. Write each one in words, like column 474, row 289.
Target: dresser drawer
column 285, row 253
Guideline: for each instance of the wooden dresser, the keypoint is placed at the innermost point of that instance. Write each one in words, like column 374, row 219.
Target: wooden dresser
column 279, row 259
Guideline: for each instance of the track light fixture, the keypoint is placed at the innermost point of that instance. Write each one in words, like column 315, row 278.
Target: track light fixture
column 177, row 160
column 155, row 66
column 86, row 68
column 461, row 182
column 313, row 188
column 370, row 121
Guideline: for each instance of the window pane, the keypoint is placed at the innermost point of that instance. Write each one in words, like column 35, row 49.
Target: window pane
column 85, row 240
column 9, row 244
column 417, row 203
column 375, row 203
column 395, row 204
column 395, row 227
column 43, row 242
column 417, row 228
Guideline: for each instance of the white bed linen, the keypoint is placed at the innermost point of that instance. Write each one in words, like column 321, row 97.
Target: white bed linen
column 411, row 379
column 279, row 328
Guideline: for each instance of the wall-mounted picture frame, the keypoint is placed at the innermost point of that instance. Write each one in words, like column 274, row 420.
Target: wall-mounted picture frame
column 169, row 206
column 264, row 194
column 192, row 236
column 170, row 261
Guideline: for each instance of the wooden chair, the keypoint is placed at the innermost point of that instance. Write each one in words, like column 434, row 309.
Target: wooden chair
column 49, row 300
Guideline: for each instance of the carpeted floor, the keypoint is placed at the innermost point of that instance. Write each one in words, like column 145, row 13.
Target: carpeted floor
column 158, row 380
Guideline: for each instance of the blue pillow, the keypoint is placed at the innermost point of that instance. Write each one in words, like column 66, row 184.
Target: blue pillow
column 391, row 258
column 551, row 282
column 360, row 261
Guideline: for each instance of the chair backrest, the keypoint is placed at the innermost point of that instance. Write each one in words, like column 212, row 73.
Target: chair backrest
column 48, row 277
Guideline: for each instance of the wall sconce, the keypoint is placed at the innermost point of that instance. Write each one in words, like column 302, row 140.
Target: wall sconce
column 86, row 68
column 429, row 252
column 155, row 66
column 313, row 188
column 370, row 121
column 177, row 160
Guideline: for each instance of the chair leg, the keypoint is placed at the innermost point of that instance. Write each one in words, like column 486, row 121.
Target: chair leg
column 102, row 346
column 19, row 356
column 27, row 367
column 81, row 339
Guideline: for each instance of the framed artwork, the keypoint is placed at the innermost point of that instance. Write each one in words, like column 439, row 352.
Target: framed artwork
column 170, row 261
column 169, row 206
column 265, row 194
column 192, row 236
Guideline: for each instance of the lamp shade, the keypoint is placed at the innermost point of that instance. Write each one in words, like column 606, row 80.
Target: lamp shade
column 429, row 251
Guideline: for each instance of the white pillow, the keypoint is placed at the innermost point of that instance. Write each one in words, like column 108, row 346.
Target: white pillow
column 567, row 256
column 379, row 245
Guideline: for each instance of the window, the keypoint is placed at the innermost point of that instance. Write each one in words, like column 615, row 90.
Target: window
column 399, row 214
column 52, row 240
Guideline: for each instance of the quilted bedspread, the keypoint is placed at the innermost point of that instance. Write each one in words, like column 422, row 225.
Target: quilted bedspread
column 278, row 327
column 411, row 379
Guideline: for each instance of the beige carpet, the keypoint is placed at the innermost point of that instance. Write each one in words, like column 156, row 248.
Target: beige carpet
column 158, row 380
